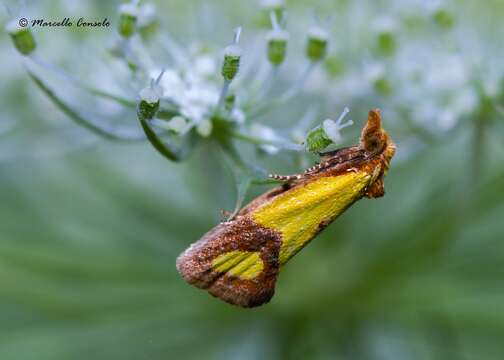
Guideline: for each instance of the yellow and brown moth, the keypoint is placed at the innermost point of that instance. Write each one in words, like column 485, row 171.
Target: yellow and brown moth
column 239, row 260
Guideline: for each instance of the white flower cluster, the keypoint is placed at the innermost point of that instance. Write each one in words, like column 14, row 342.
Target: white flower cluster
column 424, row 59
column 194, row 91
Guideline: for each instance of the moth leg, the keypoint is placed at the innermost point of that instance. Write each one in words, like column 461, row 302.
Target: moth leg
column 225, row 215
column 315, row 167
column 241, row 192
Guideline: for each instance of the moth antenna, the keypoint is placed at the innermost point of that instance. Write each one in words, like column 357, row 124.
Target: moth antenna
column 313, row 168
column 285, row 177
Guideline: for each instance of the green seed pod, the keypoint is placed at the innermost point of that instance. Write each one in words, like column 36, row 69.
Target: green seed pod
column 316, row 48
column 335, row 66
column 386, row 43
column 231, row 65
column 277, row 46
column 444, row 19
column 317, row 140
column 382, row 86
column 148, row 110
column 22, row 37
column 149, row 101
column 148, row 21
column 276, row 6
column 229, row 102
column 128, row 14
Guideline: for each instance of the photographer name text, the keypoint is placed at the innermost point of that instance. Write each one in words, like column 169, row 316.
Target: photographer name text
column 67, row 22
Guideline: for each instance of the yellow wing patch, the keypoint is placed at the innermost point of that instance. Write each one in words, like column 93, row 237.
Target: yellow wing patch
column 298, row 213
column 244, row 264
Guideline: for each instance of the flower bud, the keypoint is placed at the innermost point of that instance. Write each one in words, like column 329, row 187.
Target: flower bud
column 128, row 14
column 443, row 18
column 382, row 86
column 316, row 48
column 269, row 5
column 317, row 140
column 149, row 101
column 232, row 55
column 386, row 43
column 231, row 65
column 329, row 133
column 148, row 21
column 386, row 29
column 229, row 102
column 277, row 46
column 377, row 77
column 204, row 128
column 277, row 6
column 22, row 37
column 335, row 66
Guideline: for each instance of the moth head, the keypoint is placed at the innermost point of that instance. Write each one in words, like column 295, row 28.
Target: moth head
column 374, row 139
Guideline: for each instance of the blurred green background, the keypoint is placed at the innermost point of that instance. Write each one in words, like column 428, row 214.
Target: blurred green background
column 90, row 229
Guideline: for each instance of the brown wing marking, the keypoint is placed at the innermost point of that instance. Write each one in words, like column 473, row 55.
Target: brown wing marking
column 377, row 189
column 243, row 234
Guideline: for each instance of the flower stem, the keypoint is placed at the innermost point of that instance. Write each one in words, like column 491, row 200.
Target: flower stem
column 222, row 96
column 286, row 96
column 103, row 130
column 478, row 143
column 79, row 83
column 293, row 91
column 284, row 144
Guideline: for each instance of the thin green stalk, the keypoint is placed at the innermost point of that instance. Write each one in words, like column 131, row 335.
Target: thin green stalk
column 286, row 145
column 478, row 150
column 124, row 134
column 169, row 151
column 286, row 96
column 222, row 96
column 245, row 176
column 79, row 83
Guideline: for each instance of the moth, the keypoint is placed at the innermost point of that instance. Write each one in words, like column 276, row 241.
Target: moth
column 239, row 260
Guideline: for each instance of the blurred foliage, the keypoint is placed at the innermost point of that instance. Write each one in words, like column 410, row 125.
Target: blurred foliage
column 90, row 229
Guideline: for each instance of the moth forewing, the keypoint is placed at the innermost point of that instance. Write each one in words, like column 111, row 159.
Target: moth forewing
column 301, row 212
column 238, row 261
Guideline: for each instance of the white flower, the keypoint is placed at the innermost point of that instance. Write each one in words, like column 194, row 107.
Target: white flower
column 178, row 124
column 204, row 128
column 385, row 24
column 151, row 94
column 194, row 95
column 205, row 66
column 374, row 72
column 333, row 128
column 272, row 4
column 465, row 101
column 147, row 14
column 446, row 72
column 318, row 32
column 128, row 9
column 238, row 116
